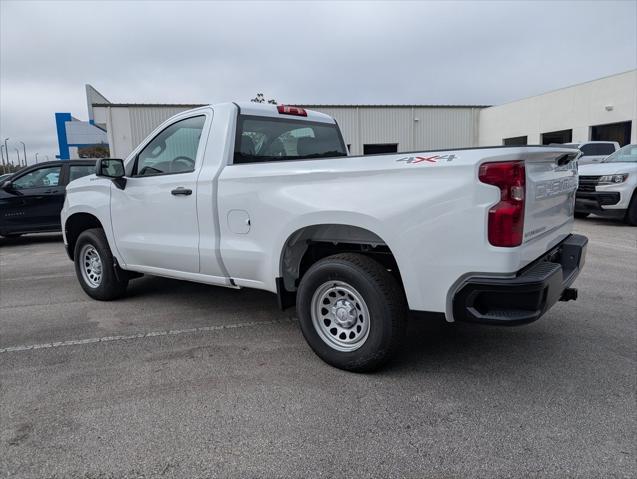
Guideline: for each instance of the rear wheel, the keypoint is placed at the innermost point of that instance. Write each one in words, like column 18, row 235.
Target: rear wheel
column 95, row 266
column 352, row 312
column 581, row 215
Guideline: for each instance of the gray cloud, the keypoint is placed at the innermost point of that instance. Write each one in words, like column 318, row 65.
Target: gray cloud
column 297, row 52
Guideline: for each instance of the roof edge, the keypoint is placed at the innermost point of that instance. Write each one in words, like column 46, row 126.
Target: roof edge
column 304, row 105
column 378, row 105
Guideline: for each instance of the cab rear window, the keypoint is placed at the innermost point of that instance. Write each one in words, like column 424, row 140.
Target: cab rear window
column 597, row 149
column 262, row 139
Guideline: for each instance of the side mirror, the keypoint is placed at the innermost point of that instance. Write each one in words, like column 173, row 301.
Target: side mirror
column 6, row 185
column 112, row 168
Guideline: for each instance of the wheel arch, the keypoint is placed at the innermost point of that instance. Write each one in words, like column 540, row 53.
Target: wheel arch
column 75, row 225
column 310, row 243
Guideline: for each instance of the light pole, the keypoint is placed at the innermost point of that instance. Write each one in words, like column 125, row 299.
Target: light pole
column 36, row 158
column 2, row 154
column 17, row 153
column 24, row 149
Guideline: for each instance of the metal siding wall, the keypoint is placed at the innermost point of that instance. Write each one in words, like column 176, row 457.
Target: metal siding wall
column 144, row 120
column 440, row 128
column 386, row 125
column 437, row 128
column 347, row 119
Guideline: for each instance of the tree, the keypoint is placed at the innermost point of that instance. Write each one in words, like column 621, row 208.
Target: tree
column 261, row 99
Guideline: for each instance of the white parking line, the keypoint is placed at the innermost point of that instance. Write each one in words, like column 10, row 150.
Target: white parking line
column 42, row 276
column 172, row 332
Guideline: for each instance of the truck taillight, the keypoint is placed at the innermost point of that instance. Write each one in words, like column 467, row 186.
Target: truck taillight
column 506, row 218
column 291, row 110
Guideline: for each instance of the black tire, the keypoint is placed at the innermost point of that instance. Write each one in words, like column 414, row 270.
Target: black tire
column 384, row 300
column 109, row 286
column 631, row 212
column 581, row 215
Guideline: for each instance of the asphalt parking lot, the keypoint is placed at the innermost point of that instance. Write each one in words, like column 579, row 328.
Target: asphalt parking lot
column 186, row 380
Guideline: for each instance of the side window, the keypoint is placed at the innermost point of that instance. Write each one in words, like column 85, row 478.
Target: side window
column 174, row 150
column 40, row 178
column 78, row 171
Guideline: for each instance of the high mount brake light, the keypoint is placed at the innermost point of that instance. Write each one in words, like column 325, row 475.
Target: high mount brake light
column 506, row 218
column 291, row 110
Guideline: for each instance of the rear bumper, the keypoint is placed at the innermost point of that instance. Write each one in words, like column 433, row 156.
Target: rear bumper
column 527, row 295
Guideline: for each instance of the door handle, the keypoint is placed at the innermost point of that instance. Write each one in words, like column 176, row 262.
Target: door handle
column 181, row 191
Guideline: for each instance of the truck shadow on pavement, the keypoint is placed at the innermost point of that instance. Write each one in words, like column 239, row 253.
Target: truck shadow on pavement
column 430, row 344
column 436, row 344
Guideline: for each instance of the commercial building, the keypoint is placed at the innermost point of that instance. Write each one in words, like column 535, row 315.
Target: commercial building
column 603, row 109
column 366, row 128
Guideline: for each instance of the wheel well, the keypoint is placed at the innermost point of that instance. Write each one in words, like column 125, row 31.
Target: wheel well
column 75, row 225
column 313, row 243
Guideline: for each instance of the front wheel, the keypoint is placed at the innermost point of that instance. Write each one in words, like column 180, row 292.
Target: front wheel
column 95, row 267
column 352, row 312
column 631, row 214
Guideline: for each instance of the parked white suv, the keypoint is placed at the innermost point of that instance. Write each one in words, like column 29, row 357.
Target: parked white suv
column 593, row 151
column 266, row 196
column 609, row 188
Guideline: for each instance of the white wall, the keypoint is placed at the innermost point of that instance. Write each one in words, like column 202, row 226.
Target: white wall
column 578, row 108
column 83, row 133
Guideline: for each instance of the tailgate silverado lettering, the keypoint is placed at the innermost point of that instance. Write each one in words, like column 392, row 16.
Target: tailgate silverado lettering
column 547, row 189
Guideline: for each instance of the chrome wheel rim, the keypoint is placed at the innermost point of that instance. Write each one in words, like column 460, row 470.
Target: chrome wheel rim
column 340, row 316
column 91, row 266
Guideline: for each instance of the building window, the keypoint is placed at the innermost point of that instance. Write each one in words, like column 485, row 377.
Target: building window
column 561, row 136
column 378, row 148
column 619, row 132
column 515, row 141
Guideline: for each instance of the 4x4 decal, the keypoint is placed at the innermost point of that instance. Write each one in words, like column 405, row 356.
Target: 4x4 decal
column 429, row 159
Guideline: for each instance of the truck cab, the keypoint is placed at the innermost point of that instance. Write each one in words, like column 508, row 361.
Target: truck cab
column 593, row 151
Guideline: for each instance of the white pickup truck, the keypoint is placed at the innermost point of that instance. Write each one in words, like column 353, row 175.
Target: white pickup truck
column 265, row 196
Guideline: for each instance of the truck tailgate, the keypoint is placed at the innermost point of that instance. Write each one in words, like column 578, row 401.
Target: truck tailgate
column 551, row 182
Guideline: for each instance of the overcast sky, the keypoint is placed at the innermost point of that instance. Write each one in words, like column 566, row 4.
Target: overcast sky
column 297, row 52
